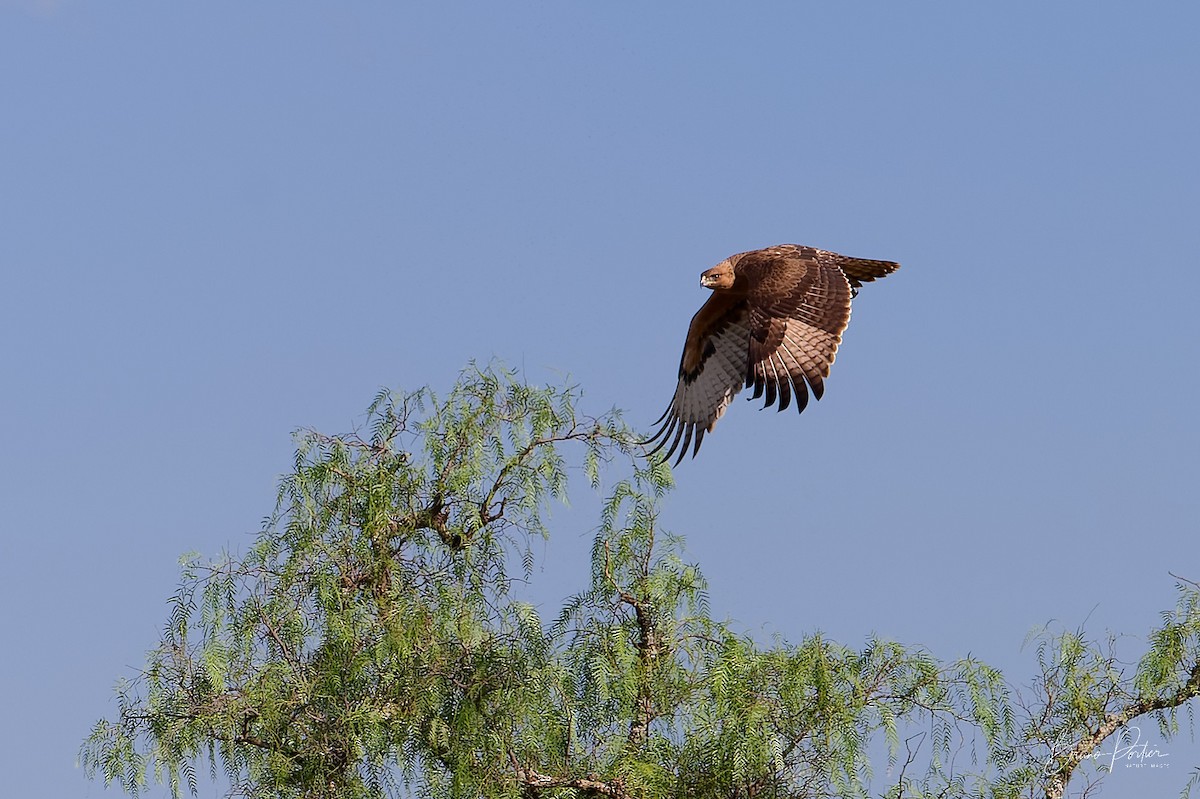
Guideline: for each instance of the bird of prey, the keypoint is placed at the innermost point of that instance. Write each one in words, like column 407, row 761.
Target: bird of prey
column 774, row 322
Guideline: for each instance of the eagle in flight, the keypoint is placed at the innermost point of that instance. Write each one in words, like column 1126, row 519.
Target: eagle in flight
column 774, row 322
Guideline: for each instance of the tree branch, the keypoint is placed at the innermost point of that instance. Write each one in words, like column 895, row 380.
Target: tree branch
column 1067, row 762
column 533, row 782
column 649, row 649
column 284, row 650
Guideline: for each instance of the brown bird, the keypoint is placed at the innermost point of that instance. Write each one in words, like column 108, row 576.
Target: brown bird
column 774, row 322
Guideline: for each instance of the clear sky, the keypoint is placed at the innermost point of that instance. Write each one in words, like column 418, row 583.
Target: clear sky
column 220, row 222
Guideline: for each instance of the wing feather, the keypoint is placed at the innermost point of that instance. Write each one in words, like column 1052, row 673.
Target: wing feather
column 813, row 352
column 796, row 375
column 785, row 385
column 704, row 392
column 771, row 380
column 797, row 326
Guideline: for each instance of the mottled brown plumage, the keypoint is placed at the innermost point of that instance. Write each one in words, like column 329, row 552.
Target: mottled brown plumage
column 774, row 323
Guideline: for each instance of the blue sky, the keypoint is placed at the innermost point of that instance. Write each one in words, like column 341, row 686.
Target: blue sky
column 227, row 221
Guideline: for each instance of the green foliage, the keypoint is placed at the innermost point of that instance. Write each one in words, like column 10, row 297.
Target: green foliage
column 1085, row 694
column 368, row 645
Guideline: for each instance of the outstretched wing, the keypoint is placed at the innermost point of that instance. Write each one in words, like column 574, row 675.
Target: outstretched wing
column 711, row 371
column 799, row 306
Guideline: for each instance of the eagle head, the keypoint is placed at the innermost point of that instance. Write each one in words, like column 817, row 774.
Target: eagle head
column 719, row 277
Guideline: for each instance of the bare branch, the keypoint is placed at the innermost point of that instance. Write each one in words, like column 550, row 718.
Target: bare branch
column 590, row 785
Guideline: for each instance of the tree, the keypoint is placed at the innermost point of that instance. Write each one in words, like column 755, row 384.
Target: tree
column 369, row 645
